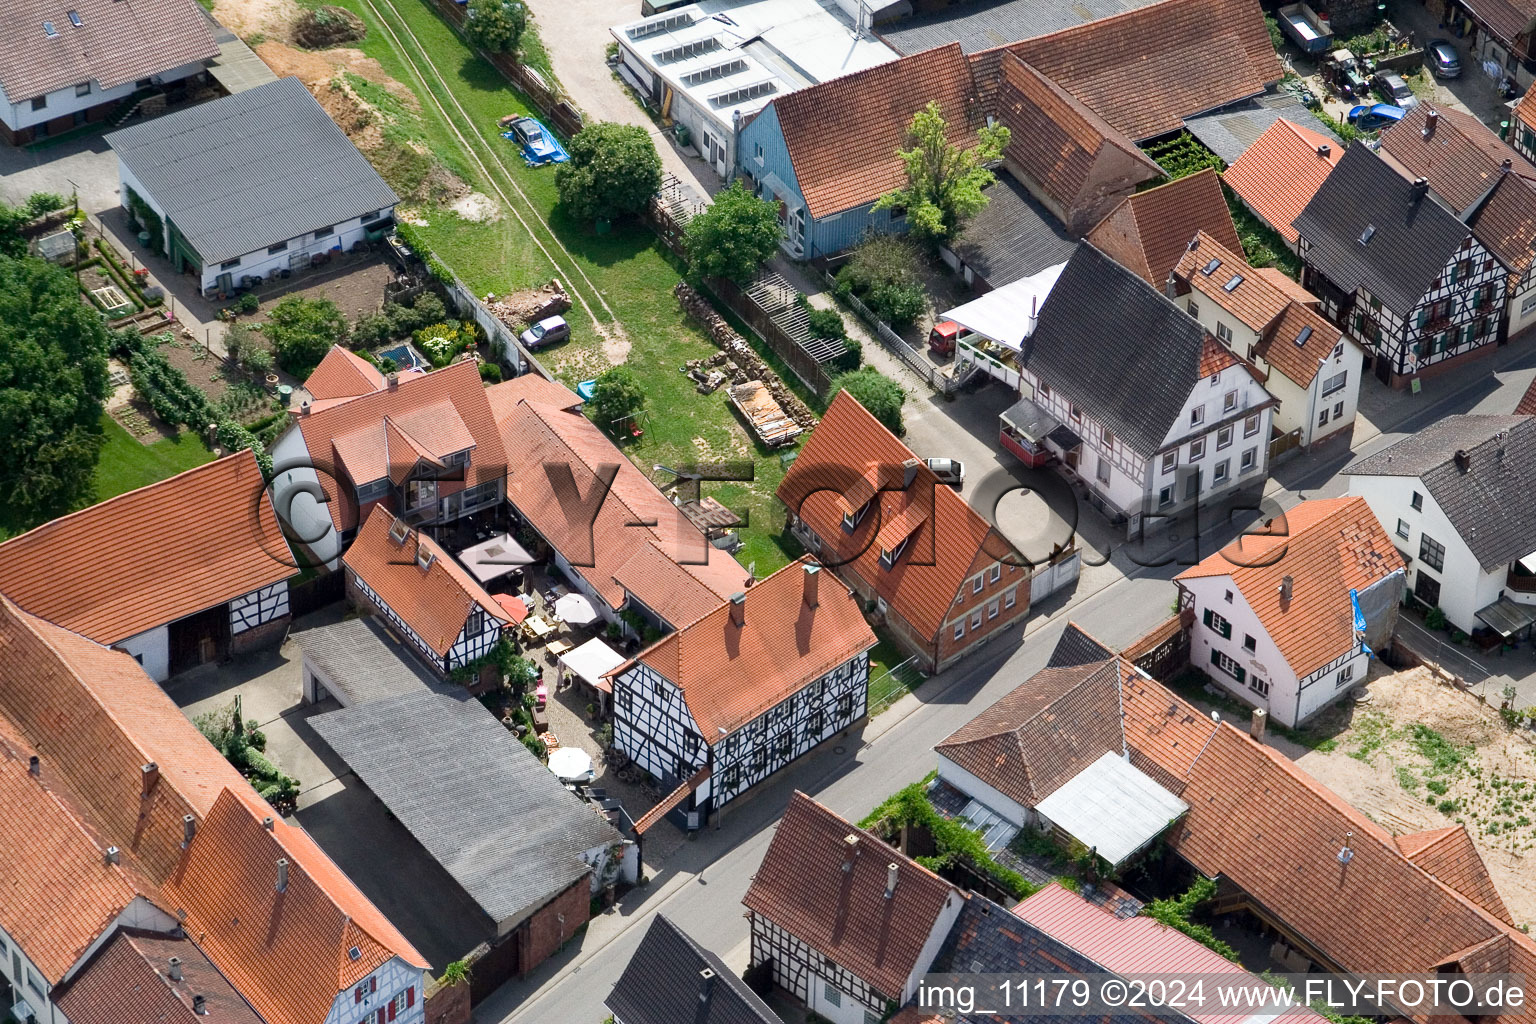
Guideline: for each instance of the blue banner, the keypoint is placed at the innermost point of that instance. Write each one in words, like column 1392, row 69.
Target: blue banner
column 1354, row 602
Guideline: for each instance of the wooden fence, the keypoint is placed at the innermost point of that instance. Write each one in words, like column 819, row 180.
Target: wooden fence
column 812, row 373
column 562, row 116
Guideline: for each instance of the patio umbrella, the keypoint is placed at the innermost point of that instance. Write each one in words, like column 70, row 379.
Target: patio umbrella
column 571, row 764
column 575, row 610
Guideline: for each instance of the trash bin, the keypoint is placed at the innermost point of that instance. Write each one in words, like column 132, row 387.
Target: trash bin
column 285, row 392
column 144, row 238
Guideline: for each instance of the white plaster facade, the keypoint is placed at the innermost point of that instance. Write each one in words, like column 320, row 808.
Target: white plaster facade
column 299, row 499
column 985, row 793
column 1410, row 514
column 152, row 650
column 75, row 100
column 1230, row 644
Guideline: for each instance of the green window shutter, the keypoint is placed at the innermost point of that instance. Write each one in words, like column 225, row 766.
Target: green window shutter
column 1215, row 655
column 1423, row 317
column 1242, row 674
column 1208, row 618
column 1226, row 630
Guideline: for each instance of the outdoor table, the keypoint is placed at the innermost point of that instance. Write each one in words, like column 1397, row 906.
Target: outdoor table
column 537, row 629
column 559, row 647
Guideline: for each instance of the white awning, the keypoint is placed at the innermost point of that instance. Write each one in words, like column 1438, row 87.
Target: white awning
column 1007, row 315
column 495, row 557
column 591, row 660
column 1112, row 807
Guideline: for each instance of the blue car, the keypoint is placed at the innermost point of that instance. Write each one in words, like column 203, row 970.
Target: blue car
column 536, row 142
column 1375, row 117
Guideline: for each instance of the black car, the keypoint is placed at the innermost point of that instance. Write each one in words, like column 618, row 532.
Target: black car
column 1442, row 60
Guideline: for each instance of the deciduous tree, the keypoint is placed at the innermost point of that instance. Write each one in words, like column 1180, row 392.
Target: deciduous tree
column 944, row 182
column 496, row 25
column 614, row 170
column 877, row 393
column 734, row 237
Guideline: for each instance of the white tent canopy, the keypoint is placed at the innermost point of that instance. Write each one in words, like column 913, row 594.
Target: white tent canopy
column 590, row 661
column 1007, row 315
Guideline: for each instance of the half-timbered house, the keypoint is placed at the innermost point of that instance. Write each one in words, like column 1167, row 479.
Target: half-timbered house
column 848, row 923
column 758, row 682
column 943, row 579
column 1141, row 404
column 1274, row 623
column 405, row 577
column 1399, row 271
column 179, row 573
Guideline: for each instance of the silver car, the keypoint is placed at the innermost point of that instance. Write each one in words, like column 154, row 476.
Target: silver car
column 546, row 332
column 1392, row 89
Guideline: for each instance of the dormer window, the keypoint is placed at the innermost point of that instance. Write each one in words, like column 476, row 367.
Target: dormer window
column 888, row 556
column 852, row 519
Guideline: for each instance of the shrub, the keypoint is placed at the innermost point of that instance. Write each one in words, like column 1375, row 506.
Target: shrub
column 248, row 303
column 616, row 396
column 495, row 25
column 443, row 341
column 39, row 203
column 1175, row 913
column 877, row 393
column 259, row 360
column 490, row 373
column 883, row 273
column 320, row 27
column 1435, row 619
column 852, row 357
column 826, row 323
column 372, row 329
column 168, row 392
column 303, row 330
column 614, row 170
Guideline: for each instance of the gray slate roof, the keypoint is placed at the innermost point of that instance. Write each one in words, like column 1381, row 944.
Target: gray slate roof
column 1411, row 243
column 484, row 807
column 1491, row 505
column 984, row 24
column 1118, row 348
column 1013, row 237
column 1229, row 133
column 662, row 984
column 247, row 171
column 1077, row 648
column 362, row 662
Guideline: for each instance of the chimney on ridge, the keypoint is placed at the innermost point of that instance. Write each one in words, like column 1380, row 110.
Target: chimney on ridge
column 35, row 767
column 149, row 774
column 812, row 585
column 282, row 874
column 175, row 972
column 1431, row 118
column 1287, row 584
column 1463, row 464
column 890, row 880
column 738, row 609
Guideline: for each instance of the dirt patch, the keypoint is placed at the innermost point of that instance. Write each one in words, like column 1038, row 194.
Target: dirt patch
column 315, row 68
column 245, row 18
column 1422, row 755
column 386, row 137
column 477, row 207
column 615, row 343
column 320, row 27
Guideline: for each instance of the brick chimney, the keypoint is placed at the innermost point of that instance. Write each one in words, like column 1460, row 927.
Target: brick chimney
column 1287, row 585
column 738, row 609
column 1431, row 118
column 149, row 774
column 35, row 767
column 812, row 585
column 1257, row 722
column 392, row 380
column 282, row 874
column 1324, row 150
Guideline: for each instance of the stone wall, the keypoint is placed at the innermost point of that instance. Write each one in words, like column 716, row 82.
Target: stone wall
column 268, row 634
column 447, row 1004
column 742, row 361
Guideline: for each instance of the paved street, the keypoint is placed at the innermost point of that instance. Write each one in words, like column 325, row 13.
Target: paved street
column 701, row 886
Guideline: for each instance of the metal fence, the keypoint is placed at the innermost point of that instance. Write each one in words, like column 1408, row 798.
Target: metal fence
column 930, row 374
column 1432, row 649
column 894, row 683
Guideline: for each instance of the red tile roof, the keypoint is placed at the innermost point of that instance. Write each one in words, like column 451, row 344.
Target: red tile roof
column 802, row 887
column 97, row 719
column 1215, row 357
column 60, row 893
column 1069, row 152
column 731, row 674
column 1191, row 56
column 1527, row 406
column 151, row 556
column 1263, row 306
column 843, row 134
column 116, row 43
column 1506, row 223
column 342, row 374
column 1459, row 155
column 952, row 542
column 1327, row 547
column 1280, row 173
column 1149, row 231
column 1165, row 733
column 1033, row 740
column 669, row 567
column 1292, row 287
column 1449, row 855
column 1525, row 110
column 128, row 982
column 347, row 441
column 433, row 601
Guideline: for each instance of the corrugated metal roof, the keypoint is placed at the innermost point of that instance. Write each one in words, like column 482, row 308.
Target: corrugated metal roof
column 247, row 171
column 1013, row 236
column 978, row 26
column 362, row 662
column 1112, row 807
column 480, row 803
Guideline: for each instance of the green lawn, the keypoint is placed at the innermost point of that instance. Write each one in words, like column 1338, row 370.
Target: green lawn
column 628, row 269
column 126, row 465
column 884, row 689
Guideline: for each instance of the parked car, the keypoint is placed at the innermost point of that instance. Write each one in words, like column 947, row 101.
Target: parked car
column 536, row 142
column 1442, row 60
column 949, row 471
column 546, row 332
column 1375, row 117
column 1389, row 85
column 941, row 340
